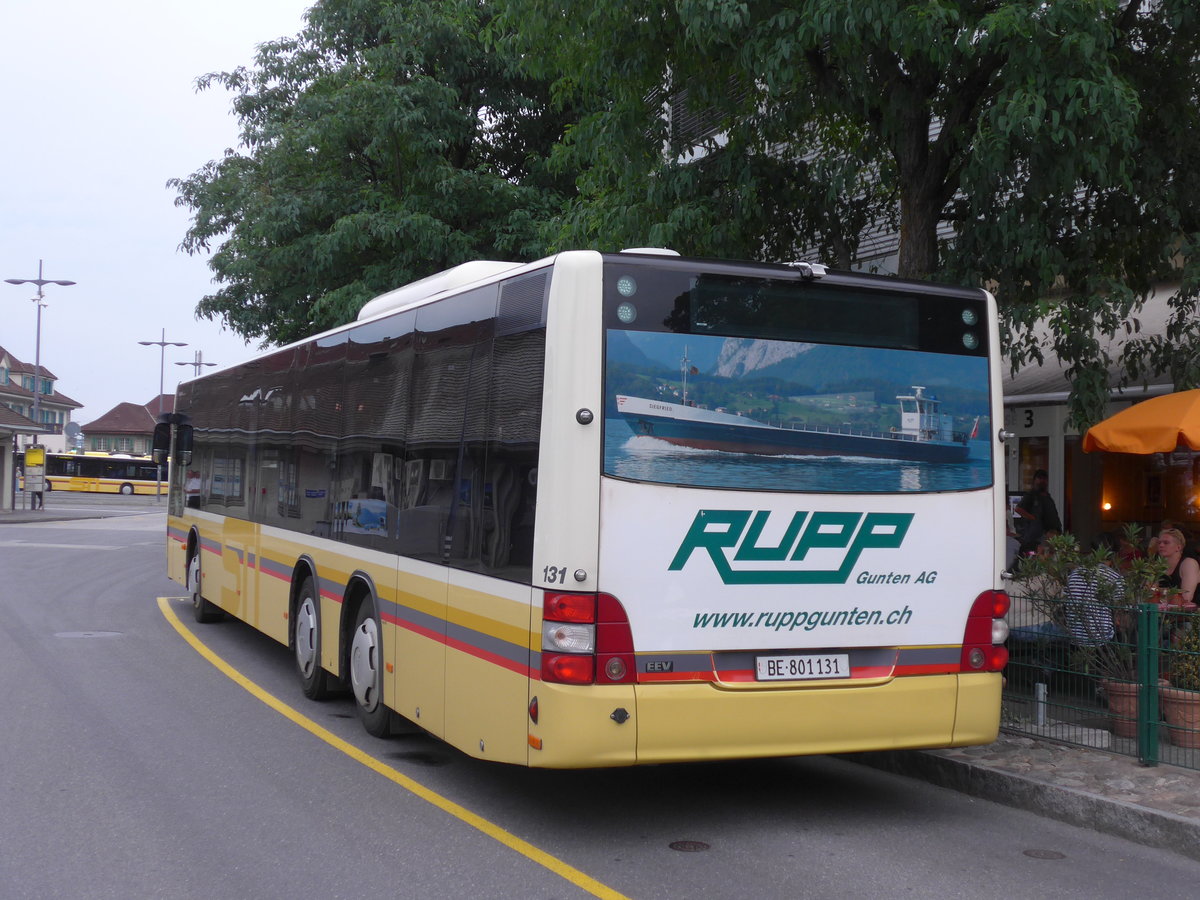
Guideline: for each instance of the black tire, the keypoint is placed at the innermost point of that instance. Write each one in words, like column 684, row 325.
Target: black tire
column 202, row 610
column 306, row 643
column 127, row 489
column 366, row 675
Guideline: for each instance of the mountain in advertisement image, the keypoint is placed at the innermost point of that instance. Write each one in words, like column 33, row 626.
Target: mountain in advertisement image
column 823, row 367
column 645, row 349
column 819, row 367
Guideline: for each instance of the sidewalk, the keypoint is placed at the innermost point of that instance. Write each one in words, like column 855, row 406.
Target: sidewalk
column 50, row 514
column 1154, row 805
column 1158, row 806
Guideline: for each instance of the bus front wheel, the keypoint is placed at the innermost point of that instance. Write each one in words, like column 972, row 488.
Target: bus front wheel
column 202, row 610
column 127, row 488
column 366, row 675
column 306, row 643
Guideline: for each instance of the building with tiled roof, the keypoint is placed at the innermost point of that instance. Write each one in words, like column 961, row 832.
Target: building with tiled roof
column 127, row 427
column 17, row 379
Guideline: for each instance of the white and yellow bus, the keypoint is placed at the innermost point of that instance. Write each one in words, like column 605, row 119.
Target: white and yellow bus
column 608, row 509
column 98, row 473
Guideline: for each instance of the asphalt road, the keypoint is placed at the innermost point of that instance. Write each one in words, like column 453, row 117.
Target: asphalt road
column 134, row 767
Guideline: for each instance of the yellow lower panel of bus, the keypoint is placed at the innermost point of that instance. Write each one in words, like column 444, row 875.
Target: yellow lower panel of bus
column 487, row 715
column 679, row 722
column 583, row 726
column 978, row 717
column 487, row 671
column 417, row 689
column 700, row 722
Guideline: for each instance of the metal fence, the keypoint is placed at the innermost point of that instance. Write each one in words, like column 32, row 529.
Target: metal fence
column 1105, row 687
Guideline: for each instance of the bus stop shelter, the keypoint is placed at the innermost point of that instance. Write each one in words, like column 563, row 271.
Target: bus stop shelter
column 12, row 423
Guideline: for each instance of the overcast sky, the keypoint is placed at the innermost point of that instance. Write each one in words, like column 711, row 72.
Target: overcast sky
column 98, row 108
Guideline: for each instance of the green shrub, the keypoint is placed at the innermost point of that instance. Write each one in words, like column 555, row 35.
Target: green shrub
column 1043, row 580
column 1185, row 658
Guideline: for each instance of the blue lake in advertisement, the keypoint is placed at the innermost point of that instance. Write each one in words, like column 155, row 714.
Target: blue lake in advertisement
column 751, row 414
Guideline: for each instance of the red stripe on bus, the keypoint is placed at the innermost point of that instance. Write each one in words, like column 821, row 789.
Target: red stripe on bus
column 414, row 628
column 489, row 657
column 934, row 669
column 469, row 649
column 857, row 673
column 666, row 677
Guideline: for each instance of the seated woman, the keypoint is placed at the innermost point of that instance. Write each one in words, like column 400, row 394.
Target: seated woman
column 1183, row 572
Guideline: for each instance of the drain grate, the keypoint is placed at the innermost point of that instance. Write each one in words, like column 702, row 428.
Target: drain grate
column 689, row 846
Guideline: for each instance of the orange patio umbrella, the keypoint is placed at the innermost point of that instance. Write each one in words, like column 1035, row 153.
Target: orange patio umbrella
column 1157, row 425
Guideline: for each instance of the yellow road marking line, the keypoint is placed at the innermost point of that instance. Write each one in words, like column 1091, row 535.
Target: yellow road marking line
column 526, row 849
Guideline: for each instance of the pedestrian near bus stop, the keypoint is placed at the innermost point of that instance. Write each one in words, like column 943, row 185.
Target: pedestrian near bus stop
column 1038, row 513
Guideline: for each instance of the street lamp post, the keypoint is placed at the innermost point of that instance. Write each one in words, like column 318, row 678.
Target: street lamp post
column 40, row 300
column 197, row 363
column 162, row 343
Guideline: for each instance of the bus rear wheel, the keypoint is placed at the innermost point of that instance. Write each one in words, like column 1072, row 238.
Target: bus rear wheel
column 127, row 488
column 202, row 610
column 366, row 675
column 306, row 644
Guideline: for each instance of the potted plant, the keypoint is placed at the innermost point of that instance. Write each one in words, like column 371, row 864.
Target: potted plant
column 1092, row 604
column 1181, row 700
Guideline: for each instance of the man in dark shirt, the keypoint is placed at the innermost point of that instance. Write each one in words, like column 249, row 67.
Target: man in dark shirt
column 1038, row 513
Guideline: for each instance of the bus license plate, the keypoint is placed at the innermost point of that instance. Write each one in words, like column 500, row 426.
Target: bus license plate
column 796, row 668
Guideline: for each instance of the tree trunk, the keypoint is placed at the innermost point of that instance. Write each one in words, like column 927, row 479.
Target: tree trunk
column 919, row 214
column 922, row 176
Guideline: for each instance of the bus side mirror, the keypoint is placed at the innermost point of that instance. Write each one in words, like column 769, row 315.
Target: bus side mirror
column 161, row 447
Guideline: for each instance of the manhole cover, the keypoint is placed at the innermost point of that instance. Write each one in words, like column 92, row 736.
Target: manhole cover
column 1045, row 854
column 688, row 846
column 88, row 634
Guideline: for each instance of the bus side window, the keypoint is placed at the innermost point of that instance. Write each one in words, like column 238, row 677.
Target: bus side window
column 514, row 433
column 452, row 382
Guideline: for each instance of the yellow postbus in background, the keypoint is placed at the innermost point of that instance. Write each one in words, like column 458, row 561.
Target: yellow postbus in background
column 98, row 473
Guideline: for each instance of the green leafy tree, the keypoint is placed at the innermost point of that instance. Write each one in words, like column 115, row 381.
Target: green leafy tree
column 1056, row 143
column 381, row 144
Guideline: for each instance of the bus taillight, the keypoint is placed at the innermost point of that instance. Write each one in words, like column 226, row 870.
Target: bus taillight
column 586, row 639
column 615, row 663
column 568, row 668
column 983, row 647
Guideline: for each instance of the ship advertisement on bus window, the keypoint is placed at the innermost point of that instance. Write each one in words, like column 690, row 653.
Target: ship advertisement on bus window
column 807, row 404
